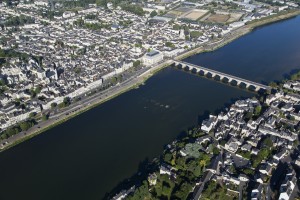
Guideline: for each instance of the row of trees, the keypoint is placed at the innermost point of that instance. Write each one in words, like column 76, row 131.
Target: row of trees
column 77, row 3
column 19, row 20
column 10, row 53
column 23, row 126
column 93, row 26
column 135, row 9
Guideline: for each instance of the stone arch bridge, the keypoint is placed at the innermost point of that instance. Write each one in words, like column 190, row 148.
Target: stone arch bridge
column 214, row 73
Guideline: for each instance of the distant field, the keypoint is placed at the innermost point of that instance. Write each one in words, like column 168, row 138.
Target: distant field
column 194, row 14
column 234, row 17
column 222, row 17
column 218, row 18
column 175, row 13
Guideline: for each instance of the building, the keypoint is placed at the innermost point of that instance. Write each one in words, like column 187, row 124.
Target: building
column 152, row 179
column 152, row 58
column 288, row 185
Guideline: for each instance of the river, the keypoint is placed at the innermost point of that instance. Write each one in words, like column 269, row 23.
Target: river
column 87, row 156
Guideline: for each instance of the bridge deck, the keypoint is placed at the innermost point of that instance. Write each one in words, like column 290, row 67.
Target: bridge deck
column 225, row 75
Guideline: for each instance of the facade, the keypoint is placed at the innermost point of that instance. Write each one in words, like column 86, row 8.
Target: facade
column 152, row 58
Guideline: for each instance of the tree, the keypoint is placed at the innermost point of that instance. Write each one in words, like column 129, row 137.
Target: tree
column 67, row 101
column 53, row 105
column 168, row 157
column 180, row 162
column 38, row 89
column 222, row 143
column 102, row 3
column 202, row 163
column 248, row 171
column 215, row 150
column 153, row 13
column 4, row 136
column 273, row 84
column 184, row 190
column 268, row 142
column 195, row 34
column 33, row 114
column 62, row 105
column 10, row 131
column 232, row 169
column 2, row 82
column 176, row 27
column 257, row 110
column 141, row 192
column 295, row 76
column 166, row 189
column 248, row 115
column 136, row 63
column 135, row 9
column 170, row 44
column 138, row 45
column 24, row 126
column 45, row 117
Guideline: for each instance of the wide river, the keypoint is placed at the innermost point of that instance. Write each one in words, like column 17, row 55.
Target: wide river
column 90, row 154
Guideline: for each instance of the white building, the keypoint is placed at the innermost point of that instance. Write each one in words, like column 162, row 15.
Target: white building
column 152, row 58
column 288, row 185
column 41, row 2
column 68, row 14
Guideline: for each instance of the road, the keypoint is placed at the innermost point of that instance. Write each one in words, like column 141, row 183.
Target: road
column 202, row 184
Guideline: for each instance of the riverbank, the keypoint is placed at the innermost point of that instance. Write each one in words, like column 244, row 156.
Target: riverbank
column 237, row 33
column 135, row 82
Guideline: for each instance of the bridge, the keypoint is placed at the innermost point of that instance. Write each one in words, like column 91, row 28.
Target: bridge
column 222, row 76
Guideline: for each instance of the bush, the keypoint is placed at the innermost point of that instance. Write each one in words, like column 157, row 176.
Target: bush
column 45, row 117
column 53, row 105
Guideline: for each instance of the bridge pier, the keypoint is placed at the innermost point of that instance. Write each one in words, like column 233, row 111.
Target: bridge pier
column 257, row 88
